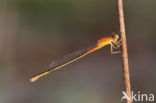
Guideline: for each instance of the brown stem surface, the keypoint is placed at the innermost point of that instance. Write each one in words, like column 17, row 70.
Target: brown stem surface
column 124, row 50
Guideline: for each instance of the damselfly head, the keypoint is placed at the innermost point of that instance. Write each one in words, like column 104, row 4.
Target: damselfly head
column 115, row 36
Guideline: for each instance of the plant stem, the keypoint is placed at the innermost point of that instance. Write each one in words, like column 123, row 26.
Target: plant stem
column 124, row 50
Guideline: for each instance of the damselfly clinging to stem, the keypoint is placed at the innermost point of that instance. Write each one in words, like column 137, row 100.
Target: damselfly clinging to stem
column 113, row 41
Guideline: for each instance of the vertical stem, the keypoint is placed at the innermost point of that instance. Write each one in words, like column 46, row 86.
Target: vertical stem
column 124, row 50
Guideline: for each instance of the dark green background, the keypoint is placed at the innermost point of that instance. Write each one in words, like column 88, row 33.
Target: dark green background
column 35, row 32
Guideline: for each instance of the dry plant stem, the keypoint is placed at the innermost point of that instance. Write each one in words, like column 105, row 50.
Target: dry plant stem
column 124, row 50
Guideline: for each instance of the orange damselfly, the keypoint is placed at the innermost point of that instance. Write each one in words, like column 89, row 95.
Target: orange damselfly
column 113, row 41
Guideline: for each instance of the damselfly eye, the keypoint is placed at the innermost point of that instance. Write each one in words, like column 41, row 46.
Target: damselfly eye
column 115, row 36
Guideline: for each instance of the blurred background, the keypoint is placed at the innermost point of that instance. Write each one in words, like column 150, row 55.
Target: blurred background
column 33, row 33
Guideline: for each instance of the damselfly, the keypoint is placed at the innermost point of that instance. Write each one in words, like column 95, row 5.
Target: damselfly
column 113, row 41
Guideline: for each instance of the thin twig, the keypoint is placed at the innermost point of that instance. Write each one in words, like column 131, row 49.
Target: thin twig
column 124, row 50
